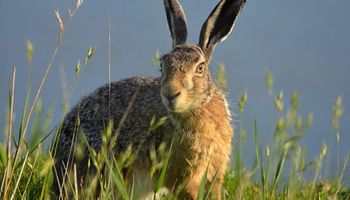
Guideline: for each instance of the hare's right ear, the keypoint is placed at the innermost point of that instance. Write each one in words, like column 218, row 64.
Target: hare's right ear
column 219, row 24
column 176, row 21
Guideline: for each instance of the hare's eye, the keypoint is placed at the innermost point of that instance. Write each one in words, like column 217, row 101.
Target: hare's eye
column 200, row 68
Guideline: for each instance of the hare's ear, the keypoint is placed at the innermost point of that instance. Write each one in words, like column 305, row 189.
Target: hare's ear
column 176, row 21
column 219, row 24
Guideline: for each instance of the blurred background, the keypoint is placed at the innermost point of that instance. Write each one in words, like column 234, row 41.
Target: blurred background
column 304, row 44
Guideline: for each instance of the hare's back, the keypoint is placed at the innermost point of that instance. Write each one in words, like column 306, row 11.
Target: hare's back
column 129, row 104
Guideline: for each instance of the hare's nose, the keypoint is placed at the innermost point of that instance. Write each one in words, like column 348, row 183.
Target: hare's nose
column 172, row 97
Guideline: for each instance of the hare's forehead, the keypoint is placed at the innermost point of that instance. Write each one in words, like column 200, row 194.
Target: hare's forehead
column 184, row 55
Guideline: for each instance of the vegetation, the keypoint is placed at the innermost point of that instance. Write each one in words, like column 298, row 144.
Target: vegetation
column 278, row 171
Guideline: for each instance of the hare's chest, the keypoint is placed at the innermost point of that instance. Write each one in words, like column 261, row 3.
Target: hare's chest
column 192, row 146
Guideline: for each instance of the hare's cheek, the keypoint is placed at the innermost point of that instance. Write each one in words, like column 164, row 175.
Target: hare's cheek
column 200, row 84
column 188, row 83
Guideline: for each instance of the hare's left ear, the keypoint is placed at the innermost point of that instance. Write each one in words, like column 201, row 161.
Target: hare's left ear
column 219, row 24
column 176, row 21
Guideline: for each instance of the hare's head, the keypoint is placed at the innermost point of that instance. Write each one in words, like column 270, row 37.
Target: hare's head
column 186, row 81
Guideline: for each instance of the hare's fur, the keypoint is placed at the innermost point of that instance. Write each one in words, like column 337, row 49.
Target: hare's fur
column 201, row 139
column 198, row 121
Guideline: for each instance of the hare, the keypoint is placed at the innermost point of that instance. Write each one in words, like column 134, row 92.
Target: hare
column 197, row 123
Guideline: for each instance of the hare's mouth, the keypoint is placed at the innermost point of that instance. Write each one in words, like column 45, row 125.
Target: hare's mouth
column 175, row 105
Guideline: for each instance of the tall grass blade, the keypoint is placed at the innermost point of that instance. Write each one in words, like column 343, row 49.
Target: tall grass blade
column 33, row 168
column 9, row 168
column 258, row 153
column 340, row 178
column 24, row 113
column 19, row 177
column 207, row 196
column 3, row 159
column 118, row 179
column 161, row 178
column 201, row 188
column 280, row 166
column 132, row 190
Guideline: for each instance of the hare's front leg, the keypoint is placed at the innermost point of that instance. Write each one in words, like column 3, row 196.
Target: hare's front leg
column 190, row 191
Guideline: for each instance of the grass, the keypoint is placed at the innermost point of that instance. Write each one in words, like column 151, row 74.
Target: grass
column 277, row 173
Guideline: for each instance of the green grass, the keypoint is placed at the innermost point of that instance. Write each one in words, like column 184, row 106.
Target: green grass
column 26, row 163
